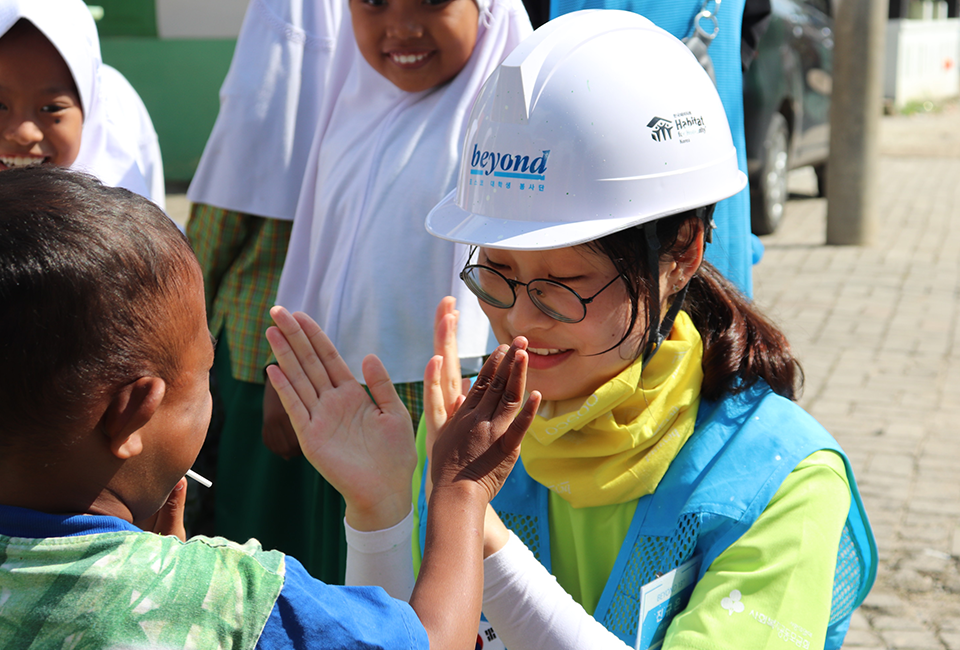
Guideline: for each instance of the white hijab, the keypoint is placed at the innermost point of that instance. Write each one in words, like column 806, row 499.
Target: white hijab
column 112, row 142
column 269, row 107
column 360, row 260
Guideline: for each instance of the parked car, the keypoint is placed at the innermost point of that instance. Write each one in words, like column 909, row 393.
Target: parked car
column 786, row 97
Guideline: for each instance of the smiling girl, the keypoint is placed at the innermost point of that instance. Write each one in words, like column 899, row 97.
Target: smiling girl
column 60, row 105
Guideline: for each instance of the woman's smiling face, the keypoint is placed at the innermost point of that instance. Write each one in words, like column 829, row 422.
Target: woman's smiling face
column 567, row 360
column 415, row 44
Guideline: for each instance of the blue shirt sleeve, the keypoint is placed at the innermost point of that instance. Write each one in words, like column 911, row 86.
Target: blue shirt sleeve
column 311, row 614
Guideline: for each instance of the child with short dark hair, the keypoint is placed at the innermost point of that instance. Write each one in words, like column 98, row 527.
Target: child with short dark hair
column 104, row 399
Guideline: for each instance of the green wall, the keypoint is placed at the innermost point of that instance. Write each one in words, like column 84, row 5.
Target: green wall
column 179, row 81
column 127, row 17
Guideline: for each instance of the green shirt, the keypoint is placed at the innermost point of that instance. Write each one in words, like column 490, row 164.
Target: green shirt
column 135, row 590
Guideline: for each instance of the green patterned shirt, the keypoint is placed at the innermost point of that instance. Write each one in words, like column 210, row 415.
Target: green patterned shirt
column 135, row 590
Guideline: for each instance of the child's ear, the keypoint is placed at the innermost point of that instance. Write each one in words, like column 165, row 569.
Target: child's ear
column 130, row 409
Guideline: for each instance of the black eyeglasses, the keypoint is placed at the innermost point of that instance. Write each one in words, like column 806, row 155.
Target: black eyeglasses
column 555, row 299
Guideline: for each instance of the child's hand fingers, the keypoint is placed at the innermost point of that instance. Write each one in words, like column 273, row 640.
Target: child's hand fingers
column 513, row 436
column 331, row 365
column 516, row 380
column 505, row 393
column 306, row 390
column 170, row 516
column 487, row 372
column 382, row 390
column 292, row 403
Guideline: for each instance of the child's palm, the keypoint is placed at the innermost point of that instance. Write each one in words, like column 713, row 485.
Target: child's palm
column 353, row 439
column 363, row 447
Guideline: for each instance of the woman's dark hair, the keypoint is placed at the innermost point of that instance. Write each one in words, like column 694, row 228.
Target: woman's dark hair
column 89, row 276
column 740, row 345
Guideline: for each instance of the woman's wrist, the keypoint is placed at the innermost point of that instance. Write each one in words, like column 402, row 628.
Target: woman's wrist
column 495, row 534
column 385, row 513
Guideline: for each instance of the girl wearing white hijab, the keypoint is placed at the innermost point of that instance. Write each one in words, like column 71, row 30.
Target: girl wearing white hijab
column 116, row 141
column 387, row 148
column 378, row 142
column 244, row 195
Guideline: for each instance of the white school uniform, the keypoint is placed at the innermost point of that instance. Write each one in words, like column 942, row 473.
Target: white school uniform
column 360, row 260
column 269, row 108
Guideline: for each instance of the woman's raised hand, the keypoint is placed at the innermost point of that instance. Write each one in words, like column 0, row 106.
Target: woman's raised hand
column 443, row 387
column 363, row 447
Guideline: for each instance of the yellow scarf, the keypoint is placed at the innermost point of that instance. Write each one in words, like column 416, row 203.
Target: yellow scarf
column 619, row 443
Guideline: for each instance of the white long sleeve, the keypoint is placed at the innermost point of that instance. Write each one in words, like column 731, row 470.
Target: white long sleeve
column 382, row 558
column 531, row 611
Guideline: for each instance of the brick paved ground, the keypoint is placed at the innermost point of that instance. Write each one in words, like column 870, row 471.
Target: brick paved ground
column 878, row 332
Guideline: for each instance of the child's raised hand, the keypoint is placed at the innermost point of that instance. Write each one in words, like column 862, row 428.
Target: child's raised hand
column 481, row 440
column 363, row 447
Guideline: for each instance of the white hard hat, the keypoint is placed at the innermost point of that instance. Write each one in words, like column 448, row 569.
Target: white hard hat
column 597, row 122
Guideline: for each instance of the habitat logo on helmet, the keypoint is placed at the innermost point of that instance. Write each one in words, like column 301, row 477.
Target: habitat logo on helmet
column 685, row 124
column 508, row 168
column 569, row 140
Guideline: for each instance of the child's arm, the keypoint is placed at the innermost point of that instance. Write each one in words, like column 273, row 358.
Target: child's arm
column 472, row 457
column 339, row 427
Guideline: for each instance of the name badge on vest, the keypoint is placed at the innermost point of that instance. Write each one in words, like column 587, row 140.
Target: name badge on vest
column 661, row 600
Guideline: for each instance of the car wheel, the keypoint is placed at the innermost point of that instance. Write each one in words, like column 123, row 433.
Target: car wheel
column 821, row 171
column 770, row 191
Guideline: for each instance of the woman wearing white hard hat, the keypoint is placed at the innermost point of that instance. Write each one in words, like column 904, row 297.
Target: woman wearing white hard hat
column 669, row 489
column 669, row 483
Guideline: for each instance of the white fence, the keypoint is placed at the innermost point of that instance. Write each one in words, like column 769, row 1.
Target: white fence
column 922, row 60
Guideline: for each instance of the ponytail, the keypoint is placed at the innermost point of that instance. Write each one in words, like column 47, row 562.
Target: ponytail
column 740, row 345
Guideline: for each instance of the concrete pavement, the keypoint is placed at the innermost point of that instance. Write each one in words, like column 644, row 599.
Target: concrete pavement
column 877, row 330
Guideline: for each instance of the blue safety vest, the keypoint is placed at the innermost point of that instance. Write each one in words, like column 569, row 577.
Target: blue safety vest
column 742, row 449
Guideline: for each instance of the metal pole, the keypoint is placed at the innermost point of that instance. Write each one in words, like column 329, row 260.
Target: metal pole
column 859, row 35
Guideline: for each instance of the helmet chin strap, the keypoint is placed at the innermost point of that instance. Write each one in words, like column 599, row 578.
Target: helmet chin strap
column 653, row 260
